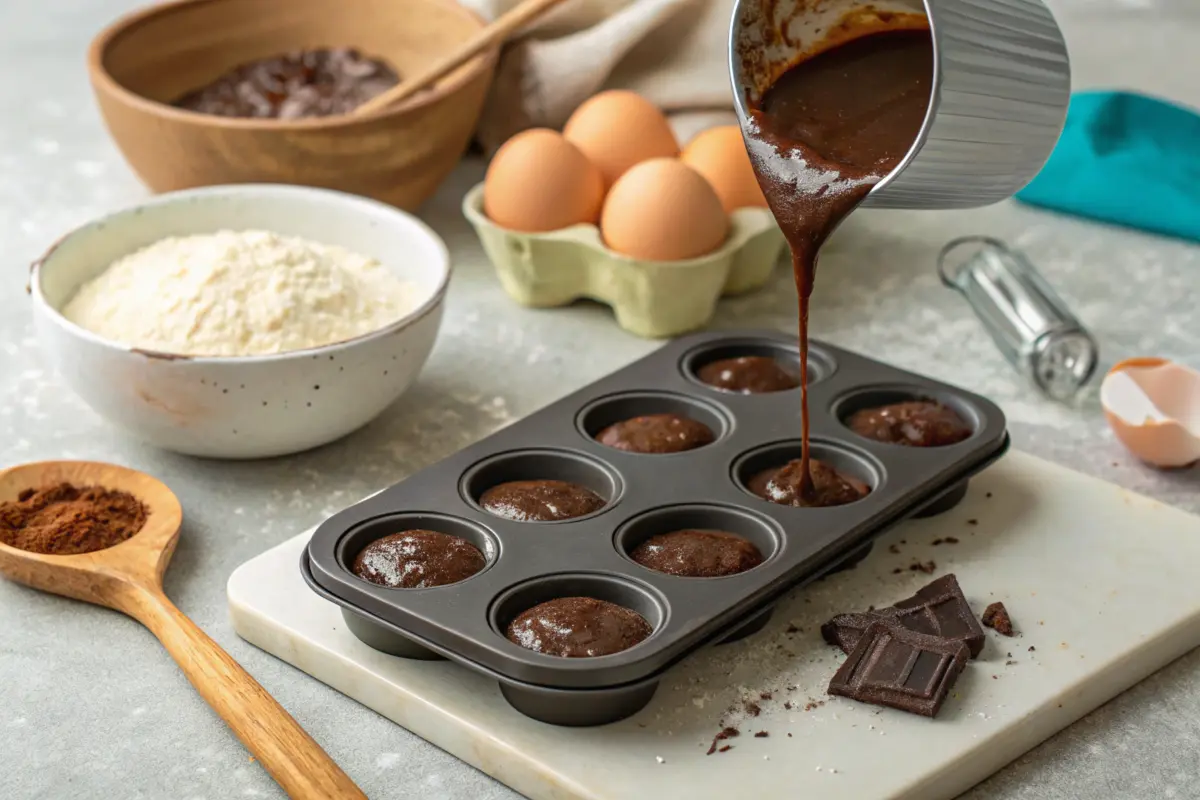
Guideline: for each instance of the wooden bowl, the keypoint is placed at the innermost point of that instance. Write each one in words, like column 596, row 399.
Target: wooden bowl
column 147, row 60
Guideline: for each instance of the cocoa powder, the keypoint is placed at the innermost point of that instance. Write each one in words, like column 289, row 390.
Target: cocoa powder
column 66, row 520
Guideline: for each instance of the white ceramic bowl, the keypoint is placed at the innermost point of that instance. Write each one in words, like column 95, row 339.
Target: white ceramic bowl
column 255, row 406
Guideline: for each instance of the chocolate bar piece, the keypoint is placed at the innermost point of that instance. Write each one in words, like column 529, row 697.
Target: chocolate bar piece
column 901, row 669
column 844, row 630
column 939, row 609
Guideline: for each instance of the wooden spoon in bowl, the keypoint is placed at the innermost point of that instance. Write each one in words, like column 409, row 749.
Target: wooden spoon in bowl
column 128, row 577
column 494, row 34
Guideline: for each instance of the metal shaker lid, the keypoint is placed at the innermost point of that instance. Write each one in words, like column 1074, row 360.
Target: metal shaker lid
column 1028, row 321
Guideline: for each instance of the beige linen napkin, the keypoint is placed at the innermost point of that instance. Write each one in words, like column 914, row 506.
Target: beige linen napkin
column 673, row 52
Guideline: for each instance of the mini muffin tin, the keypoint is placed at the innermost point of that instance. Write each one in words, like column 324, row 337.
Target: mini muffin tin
column 532, row 562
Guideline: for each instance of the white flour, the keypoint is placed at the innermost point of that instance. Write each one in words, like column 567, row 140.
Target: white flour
column 239, row 293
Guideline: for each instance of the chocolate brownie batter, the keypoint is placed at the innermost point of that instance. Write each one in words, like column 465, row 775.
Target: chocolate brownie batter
column 656, row 433
column 540, row 501
column 697, row 554
column 578, row 627
column 747, row 375
column 418, row 559
column 785, row 485
column 916, row 423
column 308, row 83
column 842, row 120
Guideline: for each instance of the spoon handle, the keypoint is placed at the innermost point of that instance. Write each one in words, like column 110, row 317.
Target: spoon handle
column 286, row 751
column 493, row 34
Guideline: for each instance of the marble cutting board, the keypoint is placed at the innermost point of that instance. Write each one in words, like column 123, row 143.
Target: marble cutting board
column 1101, row 585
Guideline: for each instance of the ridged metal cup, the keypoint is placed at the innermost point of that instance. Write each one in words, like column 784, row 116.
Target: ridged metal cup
column 1001, row 86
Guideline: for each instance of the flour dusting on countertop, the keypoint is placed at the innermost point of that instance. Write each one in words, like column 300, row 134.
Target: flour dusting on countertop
column 239, row 293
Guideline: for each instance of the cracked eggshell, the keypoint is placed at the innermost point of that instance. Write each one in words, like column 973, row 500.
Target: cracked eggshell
column 654, row 299
column 1153, row 407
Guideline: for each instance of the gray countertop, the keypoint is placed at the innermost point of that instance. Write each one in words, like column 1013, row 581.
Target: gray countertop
column 91, row 706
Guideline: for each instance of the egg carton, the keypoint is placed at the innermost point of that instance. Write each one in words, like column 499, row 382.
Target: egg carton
column 532, row 562
column 653, row 299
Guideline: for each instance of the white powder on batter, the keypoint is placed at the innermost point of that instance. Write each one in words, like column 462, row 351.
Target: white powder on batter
column 239, row 293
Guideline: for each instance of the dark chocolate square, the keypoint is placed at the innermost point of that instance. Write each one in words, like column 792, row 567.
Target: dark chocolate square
column 939, row 609
column 901, row 669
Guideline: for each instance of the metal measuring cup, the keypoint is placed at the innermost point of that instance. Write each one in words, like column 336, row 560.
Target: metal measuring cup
column 1001, row 85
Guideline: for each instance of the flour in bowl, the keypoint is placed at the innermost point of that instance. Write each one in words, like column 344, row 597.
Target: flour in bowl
column 240, row 293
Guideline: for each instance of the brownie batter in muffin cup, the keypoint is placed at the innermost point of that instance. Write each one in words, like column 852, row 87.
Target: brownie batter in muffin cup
column 783, row 485
column 418, row 559
column 697, row 554
column 578, row 627
column 747, row 375
column 540, row 501
column 915, row 423
column 657, row 434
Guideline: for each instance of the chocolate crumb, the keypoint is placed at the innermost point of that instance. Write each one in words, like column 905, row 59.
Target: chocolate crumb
column 793, row 629
column 936, row 542
column 893, row 549
column 723, row 749
column 972, row 522
column 996, row 617
column 788, row 705
column 761, row 735
column 927, row 567
column 994, row 677
column 765, row 696
column 789, row 736
column 1008, row 655
column 989, row 494
column 870, row 608
column 904, row 541
column 951, row 540
column 753, row 709
column 897, row 571
column 1009, row 663
column 1032, row 648
column 726, row 733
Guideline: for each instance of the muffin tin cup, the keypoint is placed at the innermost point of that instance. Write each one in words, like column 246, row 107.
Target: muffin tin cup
column 530, row 562
column 567, row 707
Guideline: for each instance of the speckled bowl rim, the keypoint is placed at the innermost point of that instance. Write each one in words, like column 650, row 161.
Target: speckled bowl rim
column 365, row 205
column 104, row 81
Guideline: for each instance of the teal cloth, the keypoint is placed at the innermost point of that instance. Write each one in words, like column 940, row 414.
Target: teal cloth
column 1126, row 159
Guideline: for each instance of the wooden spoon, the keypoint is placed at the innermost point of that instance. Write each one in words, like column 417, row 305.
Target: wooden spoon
column 128, row 577
column 495, row 33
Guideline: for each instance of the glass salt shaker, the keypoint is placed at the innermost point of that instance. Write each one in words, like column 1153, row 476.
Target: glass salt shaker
column 1026, row 319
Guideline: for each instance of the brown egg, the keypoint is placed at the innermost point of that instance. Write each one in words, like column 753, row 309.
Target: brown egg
column 663, row 210
column 719, row 154
column 617, row 129
column 538, row 181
